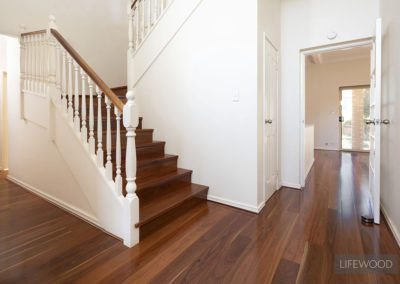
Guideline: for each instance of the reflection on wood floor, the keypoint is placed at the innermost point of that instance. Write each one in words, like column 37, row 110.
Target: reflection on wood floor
column 211, row 243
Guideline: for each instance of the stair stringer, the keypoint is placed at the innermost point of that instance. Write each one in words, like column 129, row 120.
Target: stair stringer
column 115, row 214
column 162, row 33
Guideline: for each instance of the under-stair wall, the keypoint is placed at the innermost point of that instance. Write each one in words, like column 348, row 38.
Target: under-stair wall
column 199, row 90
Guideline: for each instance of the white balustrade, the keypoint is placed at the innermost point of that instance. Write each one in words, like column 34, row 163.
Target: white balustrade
column 48, row 68
column 142, row 17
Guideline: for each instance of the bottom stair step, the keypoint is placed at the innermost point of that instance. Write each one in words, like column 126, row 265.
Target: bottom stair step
column 171, row 197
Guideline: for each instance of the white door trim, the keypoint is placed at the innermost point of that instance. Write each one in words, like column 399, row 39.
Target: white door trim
column 266, row 39
column 303, row 54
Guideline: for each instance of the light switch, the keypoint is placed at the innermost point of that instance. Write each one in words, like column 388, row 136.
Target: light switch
column 235, row 97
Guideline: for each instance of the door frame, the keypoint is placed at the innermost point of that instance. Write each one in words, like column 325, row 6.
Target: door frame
column 267, row 40
column 340, row 114
column 303, row 53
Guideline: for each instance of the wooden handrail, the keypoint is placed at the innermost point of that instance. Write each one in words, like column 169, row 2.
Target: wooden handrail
column 89, row 71
column 34, row 33
column 134, row 3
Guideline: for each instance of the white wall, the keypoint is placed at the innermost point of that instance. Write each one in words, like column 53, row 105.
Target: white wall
column 304, row 24
column 269, row 22
column 186, row 96
column 322, row 96
column 97, row 29
column 3, row 106
column 308, row 148
column 33, row 159
column 390, row 170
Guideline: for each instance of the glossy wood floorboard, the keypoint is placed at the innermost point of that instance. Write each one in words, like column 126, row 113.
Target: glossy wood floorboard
column 204, row 242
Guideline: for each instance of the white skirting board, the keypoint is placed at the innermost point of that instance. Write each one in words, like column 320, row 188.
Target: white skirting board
column 65, row 206
column 247, row 207
column 392, row 226
column 291, row 185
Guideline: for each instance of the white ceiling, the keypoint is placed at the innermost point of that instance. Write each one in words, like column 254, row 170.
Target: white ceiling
column 348, row 54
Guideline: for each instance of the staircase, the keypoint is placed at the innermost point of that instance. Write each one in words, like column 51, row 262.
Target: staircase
column 127, row 178
column 161, row 185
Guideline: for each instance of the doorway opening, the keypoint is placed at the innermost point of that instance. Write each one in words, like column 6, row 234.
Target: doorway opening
column 354, row 111
column 331, row 76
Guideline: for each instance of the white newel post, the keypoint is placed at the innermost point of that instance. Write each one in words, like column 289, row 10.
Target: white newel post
column 131, row 121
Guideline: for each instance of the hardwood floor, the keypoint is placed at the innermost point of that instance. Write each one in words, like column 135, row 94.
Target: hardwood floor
column 211, row 243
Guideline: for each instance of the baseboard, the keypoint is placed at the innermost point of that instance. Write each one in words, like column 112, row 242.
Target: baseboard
column 392, row 226
column 309, row 169
column 326, row 149
column 291, row 185
column 57, row 202
column 247, row 207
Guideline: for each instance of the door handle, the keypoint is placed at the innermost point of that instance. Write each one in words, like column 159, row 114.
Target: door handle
column 341, row 119
column 386, row 121
column 369, row 121
column 268, row 121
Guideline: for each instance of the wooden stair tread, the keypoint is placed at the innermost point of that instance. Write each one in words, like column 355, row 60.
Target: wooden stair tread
column 173, row 196
column 161, row 179
column 150, row 144
column 147, row 160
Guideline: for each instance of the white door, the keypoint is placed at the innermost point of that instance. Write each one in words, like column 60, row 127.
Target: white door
column 270, row 119
column 375, row 121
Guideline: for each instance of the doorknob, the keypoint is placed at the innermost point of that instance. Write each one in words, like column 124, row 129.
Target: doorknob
column 269, row 121
column 368, row 121
column 386, row 121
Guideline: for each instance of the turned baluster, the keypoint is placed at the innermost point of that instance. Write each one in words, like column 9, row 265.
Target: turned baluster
column 142, row 19
column 58, row 72
column 22, row 75
column 100, row 153
column 118, row 177
column 41, row 64
column 84, row 128
column 33, row 65
column 147, row 16
column 64, row 101
column 108, row 139
column 38, row 63
column 91, row 118
column 136, row 24
column 152, row 4
column 70, row 106
column 77, row 122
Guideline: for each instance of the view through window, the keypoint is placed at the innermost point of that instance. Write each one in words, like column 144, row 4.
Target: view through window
column 355, row 109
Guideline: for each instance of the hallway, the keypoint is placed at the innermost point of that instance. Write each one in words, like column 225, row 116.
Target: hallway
column 211, row 243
